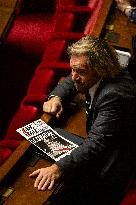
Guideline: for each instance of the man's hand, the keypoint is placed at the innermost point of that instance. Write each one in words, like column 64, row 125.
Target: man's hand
column 124, row 6
column 53, row 106
column 46, row 177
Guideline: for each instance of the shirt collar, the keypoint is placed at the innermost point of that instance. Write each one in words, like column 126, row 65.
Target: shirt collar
column 93, row 89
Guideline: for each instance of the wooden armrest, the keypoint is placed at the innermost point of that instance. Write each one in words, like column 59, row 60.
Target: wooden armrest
column 58, row 66
column 6, row 18
column 13, row 159
column 68, row 35
column 46, row 117
column 8, row 4
column 105, row 8
column 76, row 9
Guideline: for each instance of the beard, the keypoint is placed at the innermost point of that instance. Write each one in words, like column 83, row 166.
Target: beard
column 81, row 87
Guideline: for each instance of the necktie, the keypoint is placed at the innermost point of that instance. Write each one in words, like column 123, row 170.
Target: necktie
column 88, row 119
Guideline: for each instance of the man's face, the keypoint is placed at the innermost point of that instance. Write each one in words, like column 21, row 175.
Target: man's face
column 83, row 76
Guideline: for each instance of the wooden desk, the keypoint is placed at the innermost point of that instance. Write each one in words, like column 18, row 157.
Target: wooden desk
column 102, row 17
column 7, row 15
column 122, row 26
column 15, row 172
column 24, row 191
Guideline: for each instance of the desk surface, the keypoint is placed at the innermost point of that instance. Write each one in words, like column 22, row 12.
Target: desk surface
column 7, row 16
column 17, row 170
column 7, row 13
column 122, row 26
column 24, row 191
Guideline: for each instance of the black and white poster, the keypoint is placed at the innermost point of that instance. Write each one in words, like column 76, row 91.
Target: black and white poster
column 46, row 139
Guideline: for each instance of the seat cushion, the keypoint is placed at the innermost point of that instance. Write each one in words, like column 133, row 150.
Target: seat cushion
column 4, row 154
column 23, row 116
column 31, row 32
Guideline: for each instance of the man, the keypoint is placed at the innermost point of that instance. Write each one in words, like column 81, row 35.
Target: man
column 102, row 165
column 128, row 7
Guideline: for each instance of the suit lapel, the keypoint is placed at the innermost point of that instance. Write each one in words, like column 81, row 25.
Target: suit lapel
column 91, row 111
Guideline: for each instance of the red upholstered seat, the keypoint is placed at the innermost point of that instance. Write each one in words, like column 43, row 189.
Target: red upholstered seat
column 93, row 18
column 64, row 21
column 71, row 3
column 55, row 57
column 4, row 154
column 33, row 26
column 81, row 10
column 40, row 86
column 23, row 116
column 23, row 49
column 68, row 35
column 30, row 109
column 22, row 52
column 62, row 3
column 130, row 196
column 90, row 6
column 53, row 50
column 86, row 15
column 31, row 32
column 11, row 144
column 57, row 66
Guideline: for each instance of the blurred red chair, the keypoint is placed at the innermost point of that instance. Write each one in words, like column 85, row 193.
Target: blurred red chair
column 12, row 139
column 64, row 21
column 4, row 154
column 66, row 3
column 84, row 21
column 130, row 195
column 77, row 6
column 32, row 27
column 22, row 51
column 40, row 86
column 53, row 50
column 23, row 116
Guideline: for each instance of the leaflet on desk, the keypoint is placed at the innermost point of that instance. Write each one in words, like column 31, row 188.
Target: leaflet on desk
column 46, row 139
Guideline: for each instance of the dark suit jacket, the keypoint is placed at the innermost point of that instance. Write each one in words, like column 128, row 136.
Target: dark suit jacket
column 108, row 150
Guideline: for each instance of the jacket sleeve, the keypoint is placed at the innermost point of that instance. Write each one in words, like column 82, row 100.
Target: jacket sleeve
column 65, row 90
column 104, row 134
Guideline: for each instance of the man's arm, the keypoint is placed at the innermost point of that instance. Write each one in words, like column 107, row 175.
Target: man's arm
column 106, row 135
column 61, row 95
column 46, row 177
column 103, row 136
column 65, row 90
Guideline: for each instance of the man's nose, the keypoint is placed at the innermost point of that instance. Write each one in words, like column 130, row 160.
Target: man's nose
column 75, row 75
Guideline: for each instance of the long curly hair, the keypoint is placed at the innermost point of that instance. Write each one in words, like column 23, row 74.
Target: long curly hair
column 102, row 57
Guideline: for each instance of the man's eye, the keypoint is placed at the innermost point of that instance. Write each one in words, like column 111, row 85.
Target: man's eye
column 80, row 72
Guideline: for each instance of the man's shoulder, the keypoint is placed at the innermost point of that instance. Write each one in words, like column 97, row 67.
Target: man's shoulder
column 121, row 85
